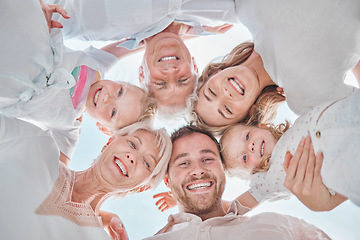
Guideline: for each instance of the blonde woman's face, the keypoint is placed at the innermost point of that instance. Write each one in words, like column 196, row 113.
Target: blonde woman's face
column 246, row 146
column 127, row 161
column 228, row 95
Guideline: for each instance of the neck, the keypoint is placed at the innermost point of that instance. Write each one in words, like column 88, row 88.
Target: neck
column 215, row 211
column 87, row 190
column 255, row 62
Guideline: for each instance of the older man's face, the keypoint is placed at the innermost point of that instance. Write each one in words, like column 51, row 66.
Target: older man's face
column 196, row 175
column 171, row 71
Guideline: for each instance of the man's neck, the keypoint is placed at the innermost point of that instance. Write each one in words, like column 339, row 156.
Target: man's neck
column 204, row 215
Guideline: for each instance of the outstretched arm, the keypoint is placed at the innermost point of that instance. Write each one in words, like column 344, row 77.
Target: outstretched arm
column 121, row 52
column 113, row 224
column 303, row 178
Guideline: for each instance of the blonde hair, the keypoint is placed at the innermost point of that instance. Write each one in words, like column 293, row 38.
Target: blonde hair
column 276, row 130
column 265, row 106
column 164, row 144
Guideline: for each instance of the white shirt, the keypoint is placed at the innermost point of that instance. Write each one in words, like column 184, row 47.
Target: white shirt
column 36, row 71
column 307, row 46
column 234, row 226
column 335, row 131
column 119, row 19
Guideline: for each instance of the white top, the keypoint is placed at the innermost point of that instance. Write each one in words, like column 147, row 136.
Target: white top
column 29, row 167
column 36, row 72
column 119, row 19
column 234, row 226
column 307, row 46
column 334, row 130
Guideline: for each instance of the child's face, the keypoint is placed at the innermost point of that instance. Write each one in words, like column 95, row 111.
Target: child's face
column 115, row 104
column 245, row 146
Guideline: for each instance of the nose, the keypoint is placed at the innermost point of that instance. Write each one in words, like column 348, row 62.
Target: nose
column 170, row 69
column 106, row 98
column 227, row 92
column 197, row 170
column 252, row 147
column 131, row 158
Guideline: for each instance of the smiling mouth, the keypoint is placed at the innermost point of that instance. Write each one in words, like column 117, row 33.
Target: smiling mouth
column 237, row 85
column 96, row 96
column 168, row 58
column 262, row 148
column 197, row 186
column 121, row 166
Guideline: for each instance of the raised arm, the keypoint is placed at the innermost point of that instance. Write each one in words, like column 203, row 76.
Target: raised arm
column 113, row 224
column 303, row 178
column 49, row 10
column 121, row 52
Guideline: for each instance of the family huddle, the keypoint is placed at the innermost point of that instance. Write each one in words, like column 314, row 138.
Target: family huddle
column 300, row 52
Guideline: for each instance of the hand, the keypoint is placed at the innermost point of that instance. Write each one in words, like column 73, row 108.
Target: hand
column 166, row 201
column 218, row 29
column 117, row 230
column 303, row 178
column 280, row 90
column 49, row 10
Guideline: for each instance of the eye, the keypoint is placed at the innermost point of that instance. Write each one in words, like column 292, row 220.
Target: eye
column 120, row 92
column 182, row 80
column 212, row 92
column 247, row 136
column 113, row 113
column 146, row 164
column 132, row 144
column 244, row 157
column 184, row 164
column 208, row 160
column 228, row 110
column 160, row 83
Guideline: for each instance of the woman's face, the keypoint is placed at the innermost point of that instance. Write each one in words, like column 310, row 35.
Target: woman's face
column 228, row 95
column 127, row 161
column 246, row 146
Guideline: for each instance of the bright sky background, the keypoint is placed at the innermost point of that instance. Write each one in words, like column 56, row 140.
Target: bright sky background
column 139, row 213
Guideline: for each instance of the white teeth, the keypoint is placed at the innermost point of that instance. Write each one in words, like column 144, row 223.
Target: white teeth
column 199, row 185
column 121, row 167
column 237, row 85
column 262, row 148
column 168, row 58
column 97, row 96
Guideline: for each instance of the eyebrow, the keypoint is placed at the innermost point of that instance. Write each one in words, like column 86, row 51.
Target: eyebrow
column 206, row 96
column 222, row 114
column 138, row 139
column 181, row 156
column 206, row 150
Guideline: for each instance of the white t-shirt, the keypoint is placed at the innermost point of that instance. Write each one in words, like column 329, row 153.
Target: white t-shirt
column 307, row 46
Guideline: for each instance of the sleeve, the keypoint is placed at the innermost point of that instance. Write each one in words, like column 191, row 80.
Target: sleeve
column 97, row 59
column 270, row 185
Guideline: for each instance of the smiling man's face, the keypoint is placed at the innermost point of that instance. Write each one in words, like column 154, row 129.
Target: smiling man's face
column 196, row 175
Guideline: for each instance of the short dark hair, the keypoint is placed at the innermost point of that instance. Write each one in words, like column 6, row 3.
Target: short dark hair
column 189, row 130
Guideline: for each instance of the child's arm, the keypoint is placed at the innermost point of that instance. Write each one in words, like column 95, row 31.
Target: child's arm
column 166, row 201
column 247, row 200
column 121, row 52
column 303, row 178
column 113, row 224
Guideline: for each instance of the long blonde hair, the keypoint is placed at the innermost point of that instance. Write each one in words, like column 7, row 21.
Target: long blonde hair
column 265, row 106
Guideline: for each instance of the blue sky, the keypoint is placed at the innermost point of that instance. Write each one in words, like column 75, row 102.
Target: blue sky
column 139, row 213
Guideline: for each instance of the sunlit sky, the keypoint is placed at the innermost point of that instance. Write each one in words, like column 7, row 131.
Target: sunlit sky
column 139, row 213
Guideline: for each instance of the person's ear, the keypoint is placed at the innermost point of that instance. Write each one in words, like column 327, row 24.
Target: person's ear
column 103, row 129
column 141, row 74
column 166, row 180
column 108, row 142
column 196, row 69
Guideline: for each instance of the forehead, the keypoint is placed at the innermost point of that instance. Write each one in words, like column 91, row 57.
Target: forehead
column 193, row 145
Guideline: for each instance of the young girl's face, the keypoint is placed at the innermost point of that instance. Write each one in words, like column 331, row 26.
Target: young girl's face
column 246, row 146
column 228, row 95
column 115, row 104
